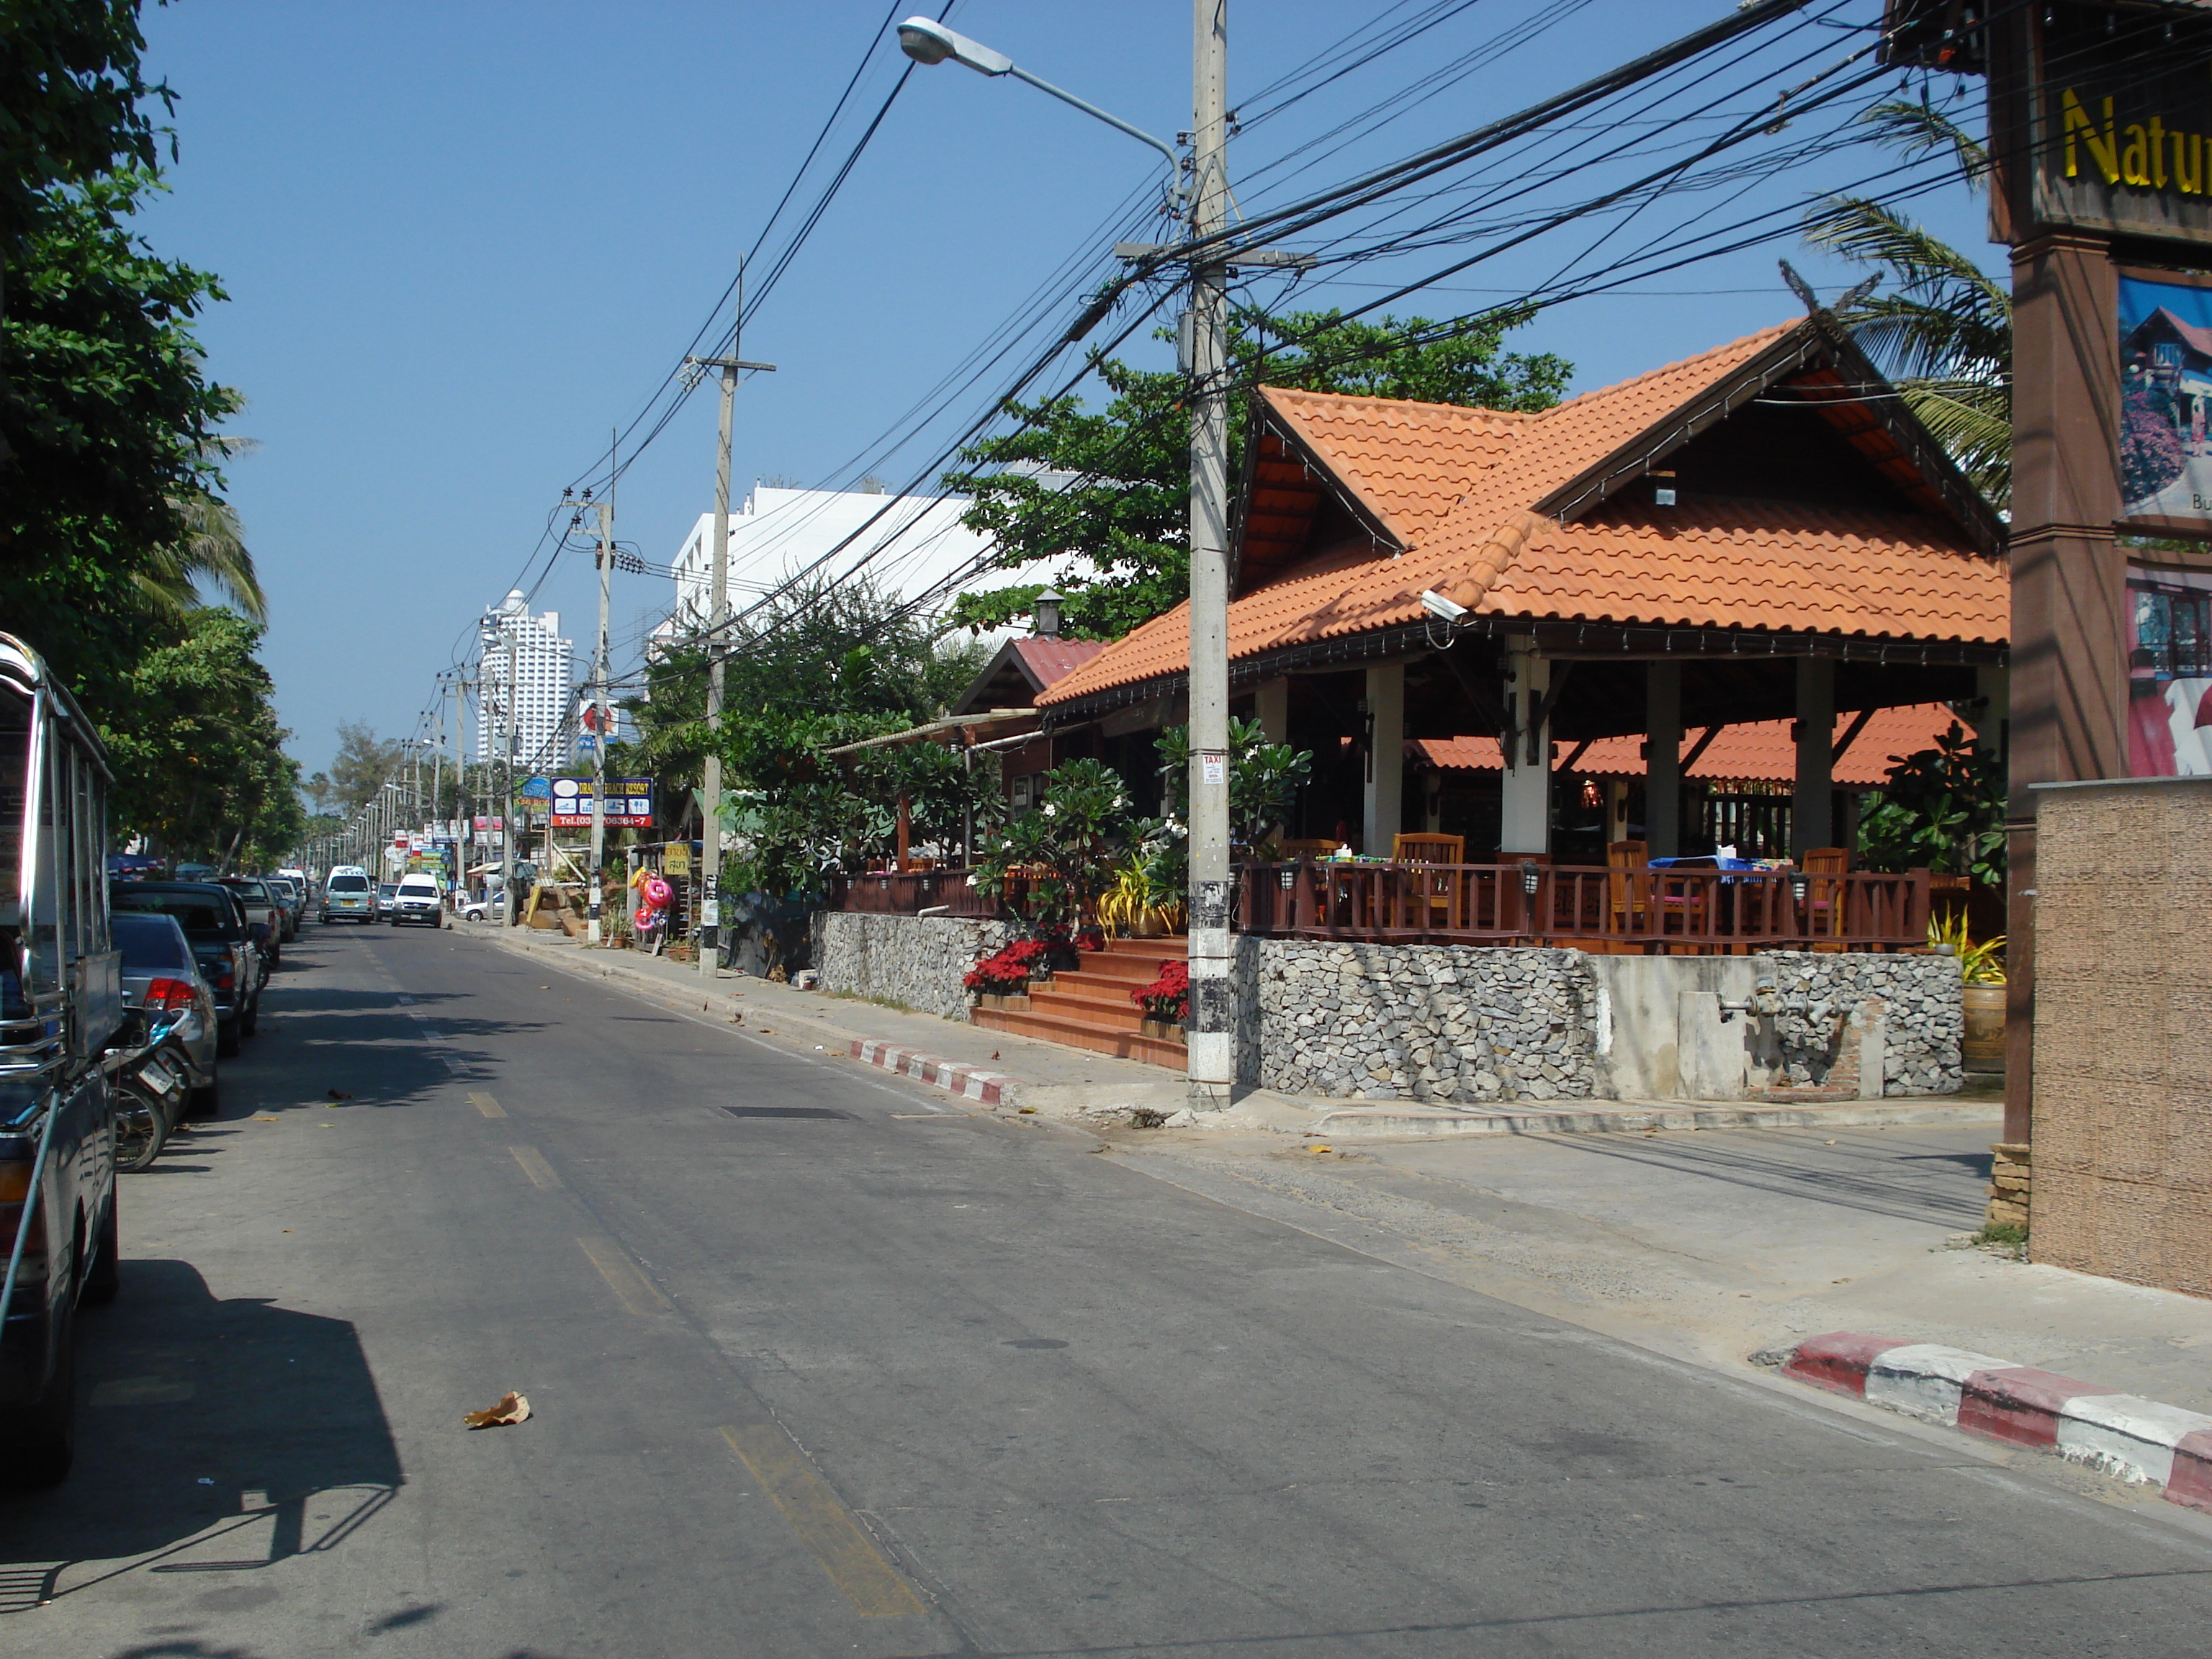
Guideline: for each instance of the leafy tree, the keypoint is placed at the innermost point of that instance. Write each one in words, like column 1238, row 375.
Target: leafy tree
column 74, row 98
column 364, row 764
column 825, row 666
column 1943, row 333
column 1942, row 808
column 1129, row 514
column 200, row 762
column 110, row 417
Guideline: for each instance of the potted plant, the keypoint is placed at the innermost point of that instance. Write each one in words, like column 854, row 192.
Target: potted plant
column 1982, row 967
column 1137, row 902
column 1166, row 1001
column 1001, row 979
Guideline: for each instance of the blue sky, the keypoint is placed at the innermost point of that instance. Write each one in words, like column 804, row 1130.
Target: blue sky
column 462, row 241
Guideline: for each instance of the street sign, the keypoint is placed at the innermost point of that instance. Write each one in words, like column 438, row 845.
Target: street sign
column 629, row 803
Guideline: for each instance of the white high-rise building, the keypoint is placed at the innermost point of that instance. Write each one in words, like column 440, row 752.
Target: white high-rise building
column 543, row 665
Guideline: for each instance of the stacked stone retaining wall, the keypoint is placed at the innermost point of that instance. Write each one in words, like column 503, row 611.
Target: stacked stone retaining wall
column 1924, row 1012
column 916, row 962
column 1444, row 1023
column 1418, row 1022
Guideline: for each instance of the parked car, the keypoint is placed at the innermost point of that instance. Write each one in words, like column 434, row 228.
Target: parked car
column 61, row 1003
column 418, row 899
column 263, row 910
column 215, row 924
column 292, row 898
column 388, row 896
column 348, row 895
column 161, row 977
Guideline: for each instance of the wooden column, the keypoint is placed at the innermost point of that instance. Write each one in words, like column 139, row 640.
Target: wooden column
column 1812, row 799
column 2067, row 684
column 1663, row 758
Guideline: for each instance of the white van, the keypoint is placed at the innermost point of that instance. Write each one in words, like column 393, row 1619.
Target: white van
column 348, row 896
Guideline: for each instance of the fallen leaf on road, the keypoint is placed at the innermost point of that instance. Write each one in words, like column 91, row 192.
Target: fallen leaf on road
column 1027, row 1110
column 337, row 1094
column 1319, row 1149
column 994, row 1053
column 265, row 1117
column 512, row 1408
column 1828, row 1143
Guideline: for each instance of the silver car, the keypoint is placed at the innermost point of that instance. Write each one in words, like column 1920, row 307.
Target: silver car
column 162, row 975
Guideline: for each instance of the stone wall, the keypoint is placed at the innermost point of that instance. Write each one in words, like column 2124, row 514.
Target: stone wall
column 915, row 961
column 2121, row 1132
column 1922, row 1007
column 1416, row 1022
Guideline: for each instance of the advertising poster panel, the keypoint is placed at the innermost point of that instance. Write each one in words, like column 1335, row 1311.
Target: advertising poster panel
column 2166, row 399
column 2169, row 673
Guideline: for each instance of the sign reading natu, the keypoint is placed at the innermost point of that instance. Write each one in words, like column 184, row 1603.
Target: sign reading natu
column 2120, row 120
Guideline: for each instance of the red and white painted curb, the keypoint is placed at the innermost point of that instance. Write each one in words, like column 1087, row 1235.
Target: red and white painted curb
column 2137, row 1439
column 991, row 1088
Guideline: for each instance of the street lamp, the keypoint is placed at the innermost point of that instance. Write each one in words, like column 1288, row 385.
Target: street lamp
column 1210, row 1066
column 928, row 41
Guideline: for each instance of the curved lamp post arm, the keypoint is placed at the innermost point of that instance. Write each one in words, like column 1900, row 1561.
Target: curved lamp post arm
column 928, row 41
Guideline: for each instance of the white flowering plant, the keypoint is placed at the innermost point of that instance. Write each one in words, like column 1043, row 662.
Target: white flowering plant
column 1065, row 849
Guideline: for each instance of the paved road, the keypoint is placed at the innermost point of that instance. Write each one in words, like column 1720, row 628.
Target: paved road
column 819, row 1369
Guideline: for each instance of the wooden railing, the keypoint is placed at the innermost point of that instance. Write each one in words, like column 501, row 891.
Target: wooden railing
column 1656, row 912
column 905, row 893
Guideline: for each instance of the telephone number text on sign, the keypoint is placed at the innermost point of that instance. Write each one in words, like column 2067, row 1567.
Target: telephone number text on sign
column 629, row 804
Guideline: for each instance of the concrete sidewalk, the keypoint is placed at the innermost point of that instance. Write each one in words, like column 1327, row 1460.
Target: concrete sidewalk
column 1715, row 1244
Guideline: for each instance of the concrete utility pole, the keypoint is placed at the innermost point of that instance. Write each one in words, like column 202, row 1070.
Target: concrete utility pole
column 718, row 607
column 600, row 707
column 1212, row 1064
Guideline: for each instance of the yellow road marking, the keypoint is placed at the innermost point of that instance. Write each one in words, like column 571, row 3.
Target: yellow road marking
column 487, row 1105
column 632, row 1288
column 535, row 1166
column 846, row 1552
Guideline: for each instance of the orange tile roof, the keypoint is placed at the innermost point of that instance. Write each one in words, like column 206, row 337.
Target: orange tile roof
column 1758, row 750
column 1456, row 489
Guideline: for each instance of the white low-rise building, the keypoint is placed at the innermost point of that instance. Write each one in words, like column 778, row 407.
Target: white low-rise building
column 907, row 546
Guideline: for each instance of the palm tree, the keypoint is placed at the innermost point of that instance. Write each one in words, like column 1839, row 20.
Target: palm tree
column 1943, row 333
column 210, row 550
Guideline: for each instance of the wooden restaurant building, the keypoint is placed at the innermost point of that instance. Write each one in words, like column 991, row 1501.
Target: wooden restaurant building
column 1761, row 533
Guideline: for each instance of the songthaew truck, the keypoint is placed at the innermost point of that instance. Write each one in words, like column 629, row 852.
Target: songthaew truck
column 61, row 1002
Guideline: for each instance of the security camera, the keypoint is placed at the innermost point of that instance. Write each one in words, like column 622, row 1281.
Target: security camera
column 1437, row 605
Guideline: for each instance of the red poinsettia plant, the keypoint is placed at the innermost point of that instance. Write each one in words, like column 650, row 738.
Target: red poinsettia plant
column 1005, row 971
column 1168, row 996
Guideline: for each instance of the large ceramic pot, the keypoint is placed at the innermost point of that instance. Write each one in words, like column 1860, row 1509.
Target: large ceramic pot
column 1985, row 1028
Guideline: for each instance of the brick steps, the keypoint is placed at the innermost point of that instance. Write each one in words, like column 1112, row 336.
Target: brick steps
column 1089, row 1008
column 1080, row 1034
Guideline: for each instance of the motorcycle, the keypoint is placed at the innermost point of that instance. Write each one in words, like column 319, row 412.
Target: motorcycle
column 151, row 1083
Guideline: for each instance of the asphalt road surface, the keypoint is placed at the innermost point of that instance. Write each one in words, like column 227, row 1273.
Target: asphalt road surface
column 820, row 1368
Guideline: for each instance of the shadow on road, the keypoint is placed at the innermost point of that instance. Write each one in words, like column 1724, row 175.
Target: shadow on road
column 213, row 1438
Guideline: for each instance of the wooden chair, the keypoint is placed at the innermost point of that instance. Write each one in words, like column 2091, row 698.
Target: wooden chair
column 1421, row 848
column 1628, row 883
column 1824, row 900
column 1318, row 847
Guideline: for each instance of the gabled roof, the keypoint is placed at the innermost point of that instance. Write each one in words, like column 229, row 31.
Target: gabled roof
column 1021, row 668
column 1527, row 517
